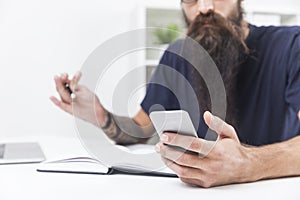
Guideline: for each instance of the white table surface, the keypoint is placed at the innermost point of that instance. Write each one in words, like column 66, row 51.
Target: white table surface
column 22, row 181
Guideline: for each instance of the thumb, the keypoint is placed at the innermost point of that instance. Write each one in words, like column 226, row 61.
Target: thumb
column 216, row 124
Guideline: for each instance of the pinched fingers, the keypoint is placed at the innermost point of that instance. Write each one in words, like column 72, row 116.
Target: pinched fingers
column 60, row 82
column 66, row 87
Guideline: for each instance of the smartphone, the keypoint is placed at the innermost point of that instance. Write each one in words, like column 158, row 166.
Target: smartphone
column 177, row 121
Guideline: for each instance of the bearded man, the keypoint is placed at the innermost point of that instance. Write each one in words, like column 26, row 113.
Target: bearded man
column 260, row 68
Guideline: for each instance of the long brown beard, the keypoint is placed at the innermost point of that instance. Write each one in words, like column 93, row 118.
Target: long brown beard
column 223, row 40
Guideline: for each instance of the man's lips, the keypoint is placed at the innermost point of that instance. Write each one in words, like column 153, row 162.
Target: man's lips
column 207, row 25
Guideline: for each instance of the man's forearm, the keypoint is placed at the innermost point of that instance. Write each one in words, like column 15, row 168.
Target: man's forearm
column 276, row 160
column 124, row 131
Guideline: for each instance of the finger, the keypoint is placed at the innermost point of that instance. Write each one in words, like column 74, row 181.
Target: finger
column 75, row 80
column 214, row 122
column 198, row 145
column 184, row 141
column 218, row 125
column 180, row 157
column 184, row 172
column 60, row 88
column 64, row 106
column 299, row 114
column 64, row 77
column 188, row 175
column 194, row 182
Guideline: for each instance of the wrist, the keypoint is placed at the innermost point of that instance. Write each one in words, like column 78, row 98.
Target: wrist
column 254, row 166
column 266, row 161
column 101, row 116
column 247, row 168
column 107, row 121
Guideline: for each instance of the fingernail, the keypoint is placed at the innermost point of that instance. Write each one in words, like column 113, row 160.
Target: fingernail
column 157, row 148
column 64, row 75
column 164, row 138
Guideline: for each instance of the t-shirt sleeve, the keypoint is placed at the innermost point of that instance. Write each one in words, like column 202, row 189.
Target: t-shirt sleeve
column 293, row 84
column 159, row 95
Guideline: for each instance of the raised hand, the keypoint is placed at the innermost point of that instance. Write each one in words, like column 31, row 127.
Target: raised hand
column 85, row 106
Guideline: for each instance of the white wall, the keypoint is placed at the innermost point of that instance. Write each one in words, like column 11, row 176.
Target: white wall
column 39, row 39
column 272, row 6
column 272, row 12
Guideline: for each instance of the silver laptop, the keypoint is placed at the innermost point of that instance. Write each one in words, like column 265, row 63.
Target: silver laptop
column 13, row 153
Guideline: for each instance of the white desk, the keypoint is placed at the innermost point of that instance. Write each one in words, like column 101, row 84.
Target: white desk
column 23, row 182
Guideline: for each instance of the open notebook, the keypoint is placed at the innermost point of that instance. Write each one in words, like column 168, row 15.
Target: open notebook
column 89, row 165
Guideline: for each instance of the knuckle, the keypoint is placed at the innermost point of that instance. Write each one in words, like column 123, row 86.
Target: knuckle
column 181, row 159
column 216, row 167
column 162, row 151
column 182, row 172
column 195, row 145
column 231, row 128
column 219, row 151
column 60, row 90
column 184, row 160
column 207, row 182
column 184, row 180
column 219, row 154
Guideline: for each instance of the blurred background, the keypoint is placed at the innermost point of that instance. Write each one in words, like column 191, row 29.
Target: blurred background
column 39, row 39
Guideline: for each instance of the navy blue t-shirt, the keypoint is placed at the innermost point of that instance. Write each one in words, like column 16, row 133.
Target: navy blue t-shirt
column 268, row 87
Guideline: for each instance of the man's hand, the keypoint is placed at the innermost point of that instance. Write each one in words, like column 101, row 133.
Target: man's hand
column 85, row 106
column 226, row 162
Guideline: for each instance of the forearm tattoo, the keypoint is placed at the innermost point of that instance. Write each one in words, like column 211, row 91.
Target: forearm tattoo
column 121, row 130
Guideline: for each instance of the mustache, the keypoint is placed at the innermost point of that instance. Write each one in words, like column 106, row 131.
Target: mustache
column 211, row 20
column 215, row 25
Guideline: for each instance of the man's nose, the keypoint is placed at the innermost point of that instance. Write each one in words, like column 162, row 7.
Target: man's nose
column 205, row 6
